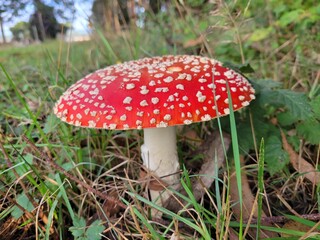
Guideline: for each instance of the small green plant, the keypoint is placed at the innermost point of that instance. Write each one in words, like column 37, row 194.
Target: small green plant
column 81, row 231
column 276, row 109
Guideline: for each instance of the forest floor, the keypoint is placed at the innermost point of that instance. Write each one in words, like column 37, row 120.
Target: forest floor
column 59, row 181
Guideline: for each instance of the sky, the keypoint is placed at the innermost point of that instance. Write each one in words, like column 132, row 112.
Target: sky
column 80, row 23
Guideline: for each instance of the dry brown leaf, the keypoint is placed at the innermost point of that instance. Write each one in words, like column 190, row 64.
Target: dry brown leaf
column 154, row 183
column 111, row 208
column 212, row 150
column 194, row 42
column 294, row 225
column 300, row 164
column 192, row 138
column 249, row 208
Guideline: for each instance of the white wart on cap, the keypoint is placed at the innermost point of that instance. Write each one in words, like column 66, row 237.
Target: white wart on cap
column 154, row 92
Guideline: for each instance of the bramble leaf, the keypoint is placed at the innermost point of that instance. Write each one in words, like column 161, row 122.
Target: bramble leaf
column 261, row 34
column 239, row 68
column 315, row 104
column 310, row 130
column 267, row 84
column 246, row 68
column 276, row 158
column 291, row 17
column 296, row 103
column 83, row 232
column 94, row 230
column 286, row 118
column 79, row 227
column 50, row 124
column 23, row 201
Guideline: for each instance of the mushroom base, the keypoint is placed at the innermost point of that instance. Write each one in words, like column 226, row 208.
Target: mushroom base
column 159, row 154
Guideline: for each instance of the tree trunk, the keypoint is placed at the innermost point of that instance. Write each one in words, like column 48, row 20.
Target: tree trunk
column 155, row 6
column 107, row 18
column 41, row 26
column 116, row 22
column 131, row 11
column 2, row 31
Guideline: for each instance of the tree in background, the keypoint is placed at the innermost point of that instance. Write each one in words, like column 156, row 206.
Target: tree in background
column 110, row 15
column 43, row 22
column 20, row 31
column 64, row 9
column 155, row 6
column 8, row 10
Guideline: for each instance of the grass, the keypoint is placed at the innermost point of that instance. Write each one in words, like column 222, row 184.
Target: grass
column 40, row 201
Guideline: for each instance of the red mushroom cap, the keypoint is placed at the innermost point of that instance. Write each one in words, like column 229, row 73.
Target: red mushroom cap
column 154, row 92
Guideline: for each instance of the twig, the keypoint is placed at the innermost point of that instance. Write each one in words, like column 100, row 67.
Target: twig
column 282, row 219
column 73, row 178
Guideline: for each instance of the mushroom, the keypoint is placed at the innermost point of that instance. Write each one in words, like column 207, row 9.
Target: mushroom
column 155, row 94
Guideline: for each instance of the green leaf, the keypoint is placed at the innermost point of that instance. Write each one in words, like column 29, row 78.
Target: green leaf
column 239, row 68
column 296, row 103
column 16, row 113
column 295, row 142
column 246, row 68
column 315, row 105
column 23, row 201
column 79, row 227
column 286, row 118
column 290, row 17
column 94, row 230
column 261, row 126
column 275, row 157
column 50, row 124
column 79, row 222
column 244, row 130
column 81, row 231
column 246, row 139
column 260, row 34
column 310, row 130
column 268, row 83
column 23, row 166
column 264, row 84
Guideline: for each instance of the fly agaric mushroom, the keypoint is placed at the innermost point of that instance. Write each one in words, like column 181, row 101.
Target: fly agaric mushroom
column 155, row 94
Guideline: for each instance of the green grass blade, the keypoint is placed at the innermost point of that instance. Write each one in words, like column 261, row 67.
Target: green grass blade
column 111, row 54
column 169, row 213
column 50, row 216
column 65, row 196
column 216, row 183
column 302, row 221
column 260, row 185
column 23, row 102
column 236, row 156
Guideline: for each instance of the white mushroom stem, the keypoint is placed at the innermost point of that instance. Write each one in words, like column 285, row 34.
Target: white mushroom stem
column 159, row 154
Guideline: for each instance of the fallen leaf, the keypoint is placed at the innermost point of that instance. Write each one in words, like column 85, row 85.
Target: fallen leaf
column 214, row 158
column 153, row 183
column 249, row 207
column 111, row 208
column 191, row 137
column 194, row 42
column 300, row 164
column 294, row 225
